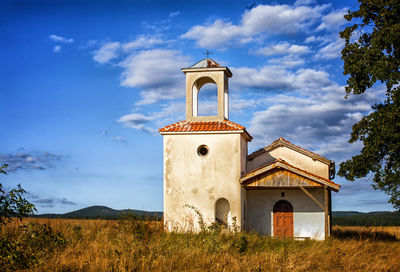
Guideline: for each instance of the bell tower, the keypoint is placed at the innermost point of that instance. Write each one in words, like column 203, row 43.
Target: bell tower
column 204, row 157
column 201, row 73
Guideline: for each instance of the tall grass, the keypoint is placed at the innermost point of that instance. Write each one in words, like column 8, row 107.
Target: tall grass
column 130, row 245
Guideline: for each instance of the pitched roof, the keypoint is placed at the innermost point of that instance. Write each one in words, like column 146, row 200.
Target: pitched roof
column 282, row 142
column 206, row 63
column 279, row 163
column 203, row 126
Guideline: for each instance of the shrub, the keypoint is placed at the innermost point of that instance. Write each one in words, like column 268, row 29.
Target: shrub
column 25, row 248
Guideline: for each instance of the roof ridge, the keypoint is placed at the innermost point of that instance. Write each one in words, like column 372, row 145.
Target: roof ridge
column 281, row 141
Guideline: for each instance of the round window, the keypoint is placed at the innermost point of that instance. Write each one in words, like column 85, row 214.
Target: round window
column 202, row 150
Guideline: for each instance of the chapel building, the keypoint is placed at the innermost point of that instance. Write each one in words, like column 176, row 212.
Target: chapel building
column 279, row 190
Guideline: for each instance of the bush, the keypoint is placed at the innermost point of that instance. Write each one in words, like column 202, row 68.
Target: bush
column 26, row 248
column 12, row 203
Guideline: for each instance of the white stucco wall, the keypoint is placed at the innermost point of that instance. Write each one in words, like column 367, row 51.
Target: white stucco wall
column 294, row 158
column 308, row 217
column 201, row 181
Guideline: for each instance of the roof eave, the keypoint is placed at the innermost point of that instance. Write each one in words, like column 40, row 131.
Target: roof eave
column 203, row 69
column 277, row 164
column 242, row 131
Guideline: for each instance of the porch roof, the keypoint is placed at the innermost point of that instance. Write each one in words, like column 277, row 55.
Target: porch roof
column 306, row 179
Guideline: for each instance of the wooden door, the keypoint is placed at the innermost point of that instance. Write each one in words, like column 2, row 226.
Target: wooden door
column 283, row 219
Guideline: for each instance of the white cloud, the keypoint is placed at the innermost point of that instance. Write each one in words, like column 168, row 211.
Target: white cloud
column 333, row 21
column 283, row 48
column 107, row 52
column 56, row 38
column 49, row 202
column 136, row 121
column 276, row 77
column 277, row 19
column 114, row 138
column 237, row 104
column 287, row 61
column 320, row 121
column 280, row 18
column 332, row 50
column 174, row 14
column 313, row 39
column 32, row 160
column 150, row 122
column 119, row 138
column 157, row 73
column 142, row 41
column 215, row 34
column 57, row 48
column 304, row 2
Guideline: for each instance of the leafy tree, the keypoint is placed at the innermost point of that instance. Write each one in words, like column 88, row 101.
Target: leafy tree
column 372, row 54
column 12, row 203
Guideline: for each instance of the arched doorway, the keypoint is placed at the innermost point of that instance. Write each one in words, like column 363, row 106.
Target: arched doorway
column 222, row 209
column 283, row 219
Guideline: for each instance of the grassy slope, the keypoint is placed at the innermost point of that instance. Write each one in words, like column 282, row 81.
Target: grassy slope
column 108, row 245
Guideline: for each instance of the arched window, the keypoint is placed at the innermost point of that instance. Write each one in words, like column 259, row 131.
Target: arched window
column 222, row 211
column 205, row 97
column 283, row 206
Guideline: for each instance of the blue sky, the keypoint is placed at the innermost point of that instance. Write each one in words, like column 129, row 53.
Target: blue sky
column 86, row 85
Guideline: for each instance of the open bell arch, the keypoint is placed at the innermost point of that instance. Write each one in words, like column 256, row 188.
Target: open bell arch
column 203, row 72
column 197, row 85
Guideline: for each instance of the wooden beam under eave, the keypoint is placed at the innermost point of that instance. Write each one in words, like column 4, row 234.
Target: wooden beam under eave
column 326, row 209
column 330, row 212
column 311, row 196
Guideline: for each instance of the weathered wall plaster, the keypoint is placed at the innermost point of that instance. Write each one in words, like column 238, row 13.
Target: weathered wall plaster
column 294, row 158
column 308, row 218
column 199, row 181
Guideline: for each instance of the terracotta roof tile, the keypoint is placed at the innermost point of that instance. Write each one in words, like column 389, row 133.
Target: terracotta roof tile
column 186, row 126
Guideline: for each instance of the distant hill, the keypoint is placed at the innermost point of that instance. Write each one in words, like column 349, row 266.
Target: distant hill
column 344, row 218
column 103, row 212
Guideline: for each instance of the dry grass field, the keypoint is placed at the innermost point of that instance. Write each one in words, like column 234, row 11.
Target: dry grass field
column 129, row 245
column 395, row 231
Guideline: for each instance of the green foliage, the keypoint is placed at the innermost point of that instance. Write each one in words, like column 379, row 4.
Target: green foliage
column 366, row 219
column 240, row 243
column 375, row 54
column 200, row 218
column 78, row 232
column 372, row 54
column 12, row 203
column 133, row 224
column 27, row 247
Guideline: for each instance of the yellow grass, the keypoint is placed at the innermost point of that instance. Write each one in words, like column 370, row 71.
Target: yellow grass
column 106, row 245
column 392, row 230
